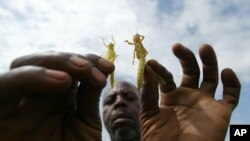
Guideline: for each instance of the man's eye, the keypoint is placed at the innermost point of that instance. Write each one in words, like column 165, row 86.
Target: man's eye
column 130, row 96
column 109, row 100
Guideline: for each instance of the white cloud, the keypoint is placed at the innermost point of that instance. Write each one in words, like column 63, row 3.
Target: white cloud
column 40, row 25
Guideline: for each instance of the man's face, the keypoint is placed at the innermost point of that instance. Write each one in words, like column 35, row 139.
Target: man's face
column 121, row 108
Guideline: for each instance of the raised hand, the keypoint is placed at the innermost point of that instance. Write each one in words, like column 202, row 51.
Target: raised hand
column 188, row 112
column 52, row 96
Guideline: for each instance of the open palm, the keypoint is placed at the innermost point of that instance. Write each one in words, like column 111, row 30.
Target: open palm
column 189, row 112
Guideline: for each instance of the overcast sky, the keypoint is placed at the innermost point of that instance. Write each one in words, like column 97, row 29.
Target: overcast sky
column 30, row 26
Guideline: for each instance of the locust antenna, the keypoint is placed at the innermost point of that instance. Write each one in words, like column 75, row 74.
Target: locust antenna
column 130, row 32
column 137, row 28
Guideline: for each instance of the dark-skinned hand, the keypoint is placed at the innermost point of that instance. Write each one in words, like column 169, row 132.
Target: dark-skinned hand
column 52, row 96
column 188, row 112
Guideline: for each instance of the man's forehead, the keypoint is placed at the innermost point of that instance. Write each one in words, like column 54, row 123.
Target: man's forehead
column 122, row 86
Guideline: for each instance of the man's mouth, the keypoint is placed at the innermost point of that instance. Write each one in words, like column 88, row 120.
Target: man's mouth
column 122, row 120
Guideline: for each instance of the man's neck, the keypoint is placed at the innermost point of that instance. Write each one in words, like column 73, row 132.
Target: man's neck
column 135, row 139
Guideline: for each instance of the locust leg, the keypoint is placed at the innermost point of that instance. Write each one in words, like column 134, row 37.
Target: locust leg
column 112, row 79
column 142, row 62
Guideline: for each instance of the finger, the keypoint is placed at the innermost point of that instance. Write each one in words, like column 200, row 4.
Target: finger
column 210, row 69
column 150, row 94
column 163, row 74
column 76, row 65
column 231, row 88
column 28, row 80
column 190, row 68
column 101, row 64
column 33, row 91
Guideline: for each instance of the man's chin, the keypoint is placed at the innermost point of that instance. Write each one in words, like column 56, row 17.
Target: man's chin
column 125, row 133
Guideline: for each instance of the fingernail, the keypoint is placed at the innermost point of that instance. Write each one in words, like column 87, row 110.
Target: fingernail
column 97, row 75
column 56, row 74
column 79, row 62
column 104, row 63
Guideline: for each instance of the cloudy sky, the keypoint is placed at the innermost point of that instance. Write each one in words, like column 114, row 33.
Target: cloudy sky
column 30, row 26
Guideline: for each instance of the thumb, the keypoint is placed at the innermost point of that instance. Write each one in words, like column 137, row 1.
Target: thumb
column 87, row 97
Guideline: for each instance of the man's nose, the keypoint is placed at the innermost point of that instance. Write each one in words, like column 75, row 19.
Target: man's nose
column 120, row 102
